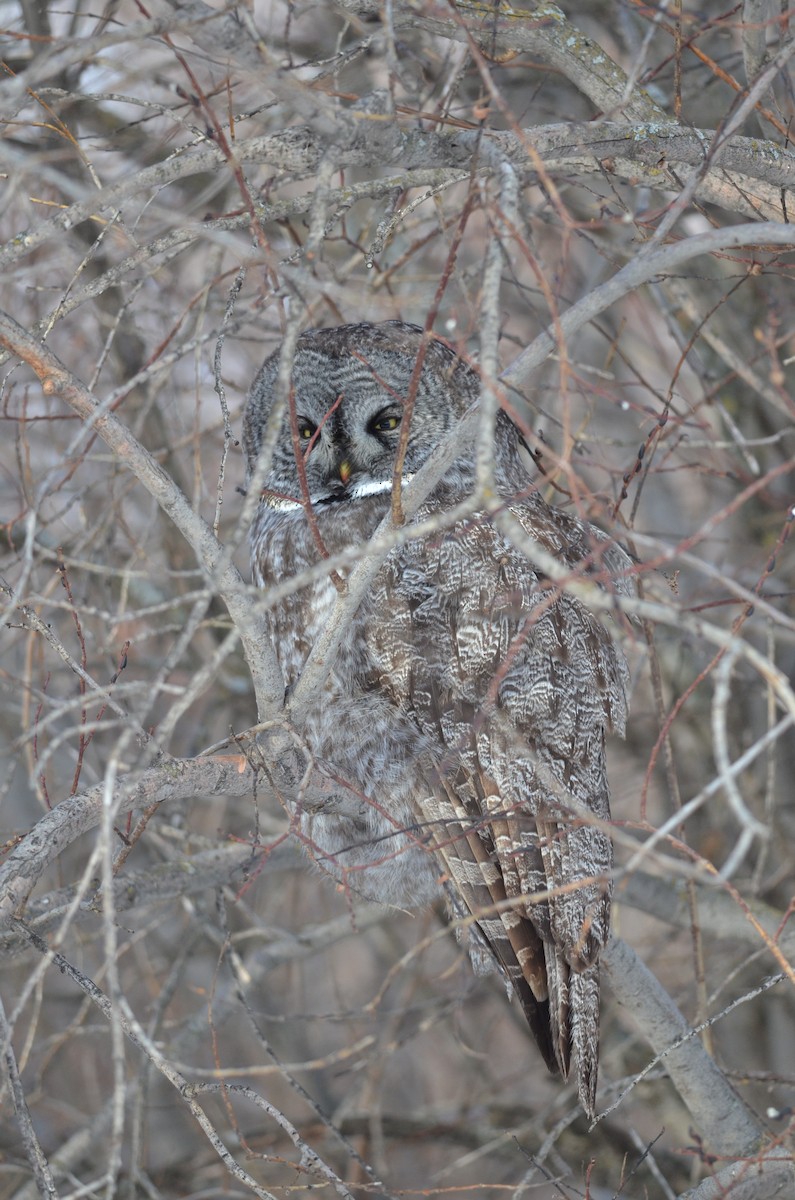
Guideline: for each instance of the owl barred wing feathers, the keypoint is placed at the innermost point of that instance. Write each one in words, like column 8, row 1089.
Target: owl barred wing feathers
column 464, row 720
column 511, row 677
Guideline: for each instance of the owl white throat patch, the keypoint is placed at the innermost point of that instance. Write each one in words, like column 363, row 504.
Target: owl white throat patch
column 372, row 487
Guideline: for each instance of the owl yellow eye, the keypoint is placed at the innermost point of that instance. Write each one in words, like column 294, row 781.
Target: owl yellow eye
column 305, row 429
column 384, row 422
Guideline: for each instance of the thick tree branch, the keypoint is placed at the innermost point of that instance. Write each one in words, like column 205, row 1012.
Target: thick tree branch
column 769, row 1176
column 661, row 148
column 727, row 1124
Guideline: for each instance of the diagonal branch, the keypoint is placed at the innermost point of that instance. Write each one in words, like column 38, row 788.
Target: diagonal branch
column 727, row 1124
column 168, row 782
column 57, row 380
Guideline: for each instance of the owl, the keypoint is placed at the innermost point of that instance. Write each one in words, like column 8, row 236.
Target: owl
column 461, row 727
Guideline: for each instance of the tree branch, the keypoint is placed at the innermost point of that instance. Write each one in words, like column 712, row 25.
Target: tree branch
column 168, row 782
column 222, row 575
column 727, row 1124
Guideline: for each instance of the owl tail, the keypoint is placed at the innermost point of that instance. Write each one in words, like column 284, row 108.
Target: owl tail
column 584, row 1002
column 574, row 1018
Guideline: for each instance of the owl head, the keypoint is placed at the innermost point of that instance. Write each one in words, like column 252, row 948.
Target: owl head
column 350, row 386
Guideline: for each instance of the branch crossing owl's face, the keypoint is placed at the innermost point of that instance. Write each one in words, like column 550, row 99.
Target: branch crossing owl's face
column 350, row 388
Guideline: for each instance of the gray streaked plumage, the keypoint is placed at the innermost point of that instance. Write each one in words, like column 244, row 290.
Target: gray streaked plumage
column 461, row 728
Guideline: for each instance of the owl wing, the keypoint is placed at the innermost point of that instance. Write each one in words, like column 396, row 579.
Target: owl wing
column 515, row 684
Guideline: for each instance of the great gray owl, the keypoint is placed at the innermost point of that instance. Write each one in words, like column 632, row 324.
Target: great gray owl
column 462, row 725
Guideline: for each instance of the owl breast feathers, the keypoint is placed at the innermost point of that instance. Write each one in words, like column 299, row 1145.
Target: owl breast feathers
column 461, row 728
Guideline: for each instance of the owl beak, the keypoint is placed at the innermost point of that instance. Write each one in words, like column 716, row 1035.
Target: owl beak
column 345, row 471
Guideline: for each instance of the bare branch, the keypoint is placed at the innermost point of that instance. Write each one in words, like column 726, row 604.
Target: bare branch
column 728, row 1125
column 168, row 782
column 57, row 380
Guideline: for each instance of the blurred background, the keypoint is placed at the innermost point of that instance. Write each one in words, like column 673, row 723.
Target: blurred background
column 180, row 182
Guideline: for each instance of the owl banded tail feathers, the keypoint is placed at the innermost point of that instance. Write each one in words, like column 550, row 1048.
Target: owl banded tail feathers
column 461, row 727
